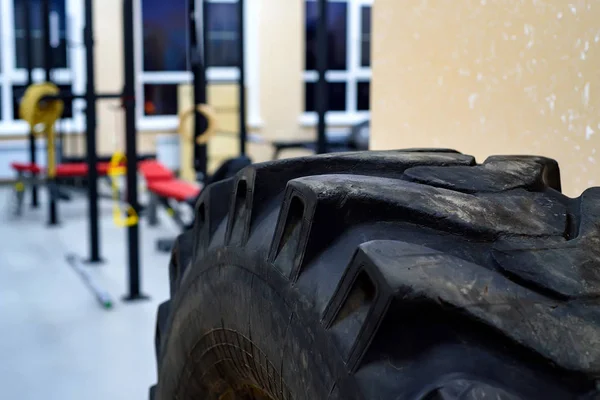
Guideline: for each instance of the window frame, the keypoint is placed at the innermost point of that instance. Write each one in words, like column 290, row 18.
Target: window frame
column 213, row 74
column 11, row 76
column 354, row 73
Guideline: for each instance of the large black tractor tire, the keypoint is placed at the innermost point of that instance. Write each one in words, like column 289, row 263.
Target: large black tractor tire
column 385, row 275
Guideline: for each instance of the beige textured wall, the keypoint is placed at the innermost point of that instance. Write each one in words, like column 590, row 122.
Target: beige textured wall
column 108, row 20
column 281, row 66
column 491, row 77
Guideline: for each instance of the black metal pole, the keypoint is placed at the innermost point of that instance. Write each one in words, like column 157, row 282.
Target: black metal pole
column 29, row 66
column 60, row 127
column 242, row 77
column 90, row 118
column 47, row 57
column 47, row 48
column 134, row 292
column 197, row 56
column 321, row 100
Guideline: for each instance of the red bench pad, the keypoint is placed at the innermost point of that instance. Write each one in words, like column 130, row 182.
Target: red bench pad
column 152, row 170
column 70, row 170
column 75, row 170
column 174, row 189
column 26, row 167
column 102, row 168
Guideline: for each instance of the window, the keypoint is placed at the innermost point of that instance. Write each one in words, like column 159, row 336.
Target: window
column 349, row 60
column 223, row 21
column 165, row 64
column 165, row 35
column 337, row 33
column 13, row 56
column 58, row 28
column 365, row 36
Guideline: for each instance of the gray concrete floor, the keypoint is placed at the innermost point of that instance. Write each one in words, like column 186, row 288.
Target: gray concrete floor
column 55, row 341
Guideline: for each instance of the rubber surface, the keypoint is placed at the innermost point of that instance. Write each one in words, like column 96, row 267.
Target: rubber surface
column 385, row 275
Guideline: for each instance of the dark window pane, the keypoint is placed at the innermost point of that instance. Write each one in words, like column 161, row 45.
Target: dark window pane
column 165, row 35
column 17, row 93
column 160, row 99
column 364, row 96
column 365, row 37
column 222, row 34
column 59, row 53
column 19, row 90
column 337, row 34
column 336, row 93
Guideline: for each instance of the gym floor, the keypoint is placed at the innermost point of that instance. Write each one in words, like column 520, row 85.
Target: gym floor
column 56, row 342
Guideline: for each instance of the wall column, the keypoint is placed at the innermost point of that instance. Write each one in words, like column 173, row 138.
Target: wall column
column 490, row 77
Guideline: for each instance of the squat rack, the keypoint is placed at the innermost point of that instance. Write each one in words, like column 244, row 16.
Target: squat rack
column 91, row 97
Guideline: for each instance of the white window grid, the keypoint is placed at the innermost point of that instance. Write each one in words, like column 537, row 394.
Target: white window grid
column 354, row 73
column 213, row 74
column 11, row 76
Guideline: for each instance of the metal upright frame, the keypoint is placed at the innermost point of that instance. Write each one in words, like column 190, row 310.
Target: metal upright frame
column 242, row 76
column 133, row 240
column 197, row 57
column 90, row 114
column 29, row 66
column 321, row 92
column 47, row 57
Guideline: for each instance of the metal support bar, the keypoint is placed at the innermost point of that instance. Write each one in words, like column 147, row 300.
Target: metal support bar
column 19, row 193
column 152, row 209
column 321, row 100
column 47, row 48
column 242, row 77
column 47, row 58
column 90, row 114
column 134, row 287
column 96, row 96
column 197, row 55
column 29, row 67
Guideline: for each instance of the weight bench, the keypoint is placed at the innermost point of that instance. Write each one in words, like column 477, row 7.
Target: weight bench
column 163, row 191
column 28, row 173
column 163, row 186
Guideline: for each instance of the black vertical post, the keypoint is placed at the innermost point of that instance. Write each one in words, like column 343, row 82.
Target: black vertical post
column 197, row 56
column 29, row 65
column 321, row 100
column 47, row 57
column 47, row 48
column 134, row 290
column 90, row 117
column 242, row 77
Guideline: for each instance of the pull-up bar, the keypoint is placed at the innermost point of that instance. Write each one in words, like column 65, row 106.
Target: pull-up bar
column 72, row 96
